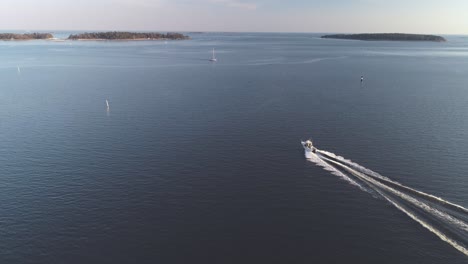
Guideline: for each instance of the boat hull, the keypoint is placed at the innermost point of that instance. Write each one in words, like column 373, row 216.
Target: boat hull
column 307, row 149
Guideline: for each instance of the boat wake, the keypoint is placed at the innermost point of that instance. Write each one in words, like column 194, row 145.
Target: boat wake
column 447, row 220
column 320, row 162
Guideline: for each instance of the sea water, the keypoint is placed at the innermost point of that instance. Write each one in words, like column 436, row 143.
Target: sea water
column 201, row 162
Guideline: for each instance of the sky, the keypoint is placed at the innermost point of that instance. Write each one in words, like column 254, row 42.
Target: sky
column 332, row 16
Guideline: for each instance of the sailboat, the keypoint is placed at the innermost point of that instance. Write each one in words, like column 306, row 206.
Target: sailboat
column 107, row 103
column 213, row 57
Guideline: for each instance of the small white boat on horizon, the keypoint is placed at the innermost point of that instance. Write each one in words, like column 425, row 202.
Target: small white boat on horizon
column 213, row 57
column 57, row 40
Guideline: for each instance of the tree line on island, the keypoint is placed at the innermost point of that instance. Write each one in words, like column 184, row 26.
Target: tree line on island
column 118, row 35
column 387, row 36
column 27, row 36
column 114, row 35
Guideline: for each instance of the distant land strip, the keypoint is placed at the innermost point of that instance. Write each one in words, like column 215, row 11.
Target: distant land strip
column 28, row 36
column 387, row 36
column 114, row 35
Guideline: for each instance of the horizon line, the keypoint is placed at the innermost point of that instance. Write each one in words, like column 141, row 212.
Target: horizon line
column 234, row 31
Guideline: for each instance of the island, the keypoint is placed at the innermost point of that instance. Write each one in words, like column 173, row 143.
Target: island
column 115, row 35
column 387, row 36
column 27, row 36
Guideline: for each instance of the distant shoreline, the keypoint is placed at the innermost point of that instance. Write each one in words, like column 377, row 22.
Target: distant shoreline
column 138, row 39
column 128, row 36
column 27, row 36
column 387, row 37
column 96, row 36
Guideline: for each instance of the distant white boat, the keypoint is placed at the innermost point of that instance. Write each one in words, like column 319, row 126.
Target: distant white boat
column 19, row 70
column 56, row 40
column 107, row 103
column 213, row 57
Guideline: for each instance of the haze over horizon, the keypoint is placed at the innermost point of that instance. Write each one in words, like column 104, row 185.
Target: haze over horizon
column 432, row 16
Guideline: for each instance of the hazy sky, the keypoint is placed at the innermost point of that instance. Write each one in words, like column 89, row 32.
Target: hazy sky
column 411, row 16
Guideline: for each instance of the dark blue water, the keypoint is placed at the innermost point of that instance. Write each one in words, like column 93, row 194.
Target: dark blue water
column 201, row 163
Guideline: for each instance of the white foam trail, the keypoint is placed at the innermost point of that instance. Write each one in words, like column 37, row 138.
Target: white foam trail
column 352, row 164
column 426, row 225
column 377, row 175
column 420, row 204
column 318, row 161
column 435, row 212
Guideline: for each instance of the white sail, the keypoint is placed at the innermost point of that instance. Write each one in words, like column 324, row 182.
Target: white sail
column 213, row 57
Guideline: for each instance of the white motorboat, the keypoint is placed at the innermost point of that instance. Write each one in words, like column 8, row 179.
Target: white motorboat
column 308, row 147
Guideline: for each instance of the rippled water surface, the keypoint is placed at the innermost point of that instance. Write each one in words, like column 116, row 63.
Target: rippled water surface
column 196, row 162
